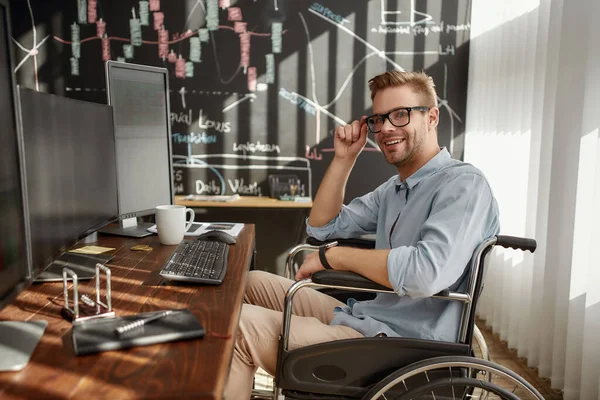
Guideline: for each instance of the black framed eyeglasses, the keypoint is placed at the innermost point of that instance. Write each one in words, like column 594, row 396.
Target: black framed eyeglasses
column 398, row 117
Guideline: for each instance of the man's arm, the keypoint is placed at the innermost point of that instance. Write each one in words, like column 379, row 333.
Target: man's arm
column 330, row 196
column 462, row 216
column 371, row 264
column 348, row 142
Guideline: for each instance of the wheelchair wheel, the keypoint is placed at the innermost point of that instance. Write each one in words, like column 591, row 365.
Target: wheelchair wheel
column 481, row 351
column 452, row 377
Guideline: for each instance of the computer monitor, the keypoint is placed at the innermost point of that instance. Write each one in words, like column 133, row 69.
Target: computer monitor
column 17, row 339
column 70, row 170
column 139, row 96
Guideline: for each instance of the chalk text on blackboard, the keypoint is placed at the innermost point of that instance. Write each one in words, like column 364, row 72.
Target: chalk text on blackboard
column 326, row 12
column 194, row 138
column 294, row 99
column 250, row 147
column 219, row 126
column 181, row 118
column 208, row 187
column 238, row 186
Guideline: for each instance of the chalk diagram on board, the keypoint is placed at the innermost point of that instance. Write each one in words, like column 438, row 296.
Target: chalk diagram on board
column 375, row 52
column 403, row 16
column 147, row 13
column 193, row 161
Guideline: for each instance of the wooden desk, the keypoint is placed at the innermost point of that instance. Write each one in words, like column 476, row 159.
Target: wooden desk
column 188, row 369
column 244, row 202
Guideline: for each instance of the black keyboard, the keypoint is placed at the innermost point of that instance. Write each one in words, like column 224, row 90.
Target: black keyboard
column 200, row 261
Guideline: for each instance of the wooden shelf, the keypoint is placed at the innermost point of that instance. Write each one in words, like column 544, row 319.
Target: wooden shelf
column 243, row 202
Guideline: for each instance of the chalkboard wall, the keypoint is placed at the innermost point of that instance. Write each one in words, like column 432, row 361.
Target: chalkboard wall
column 257, row 86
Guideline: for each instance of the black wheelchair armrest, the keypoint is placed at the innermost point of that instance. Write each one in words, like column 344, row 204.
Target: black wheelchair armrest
column 352, row 242
column 347, row 279
column 351, row 280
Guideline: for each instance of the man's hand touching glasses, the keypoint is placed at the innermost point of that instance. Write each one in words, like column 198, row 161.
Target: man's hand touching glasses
column 349, row 140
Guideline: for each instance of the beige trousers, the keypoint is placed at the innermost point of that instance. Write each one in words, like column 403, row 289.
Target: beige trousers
column 260, row 326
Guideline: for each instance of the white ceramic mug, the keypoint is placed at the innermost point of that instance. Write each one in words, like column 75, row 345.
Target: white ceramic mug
column 171, row 223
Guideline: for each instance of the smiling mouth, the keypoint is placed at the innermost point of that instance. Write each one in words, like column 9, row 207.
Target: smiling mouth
column 393, row 142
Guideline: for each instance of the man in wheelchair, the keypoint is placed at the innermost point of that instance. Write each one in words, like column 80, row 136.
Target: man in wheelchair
column 428, row 220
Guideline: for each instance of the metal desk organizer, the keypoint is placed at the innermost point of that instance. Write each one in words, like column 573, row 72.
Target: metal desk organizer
column 89, row 309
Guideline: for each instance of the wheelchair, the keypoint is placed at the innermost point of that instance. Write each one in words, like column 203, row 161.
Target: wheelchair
column 390, row 367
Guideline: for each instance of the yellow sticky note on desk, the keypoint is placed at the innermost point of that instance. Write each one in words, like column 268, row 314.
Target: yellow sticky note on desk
column 91, row 250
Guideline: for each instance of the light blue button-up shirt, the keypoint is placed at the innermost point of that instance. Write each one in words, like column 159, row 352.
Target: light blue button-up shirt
column 432, row 222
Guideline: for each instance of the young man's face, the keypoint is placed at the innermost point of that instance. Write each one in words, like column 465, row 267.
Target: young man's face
column 400, row 144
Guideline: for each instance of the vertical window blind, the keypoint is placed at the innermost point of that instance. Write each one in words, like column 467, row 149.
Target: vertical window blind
column 533, row 118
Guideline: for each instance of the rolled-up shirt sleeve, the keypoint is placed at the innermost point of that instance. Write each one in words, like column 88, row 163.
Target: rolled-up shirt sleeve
column 355, row 219
column 461, row 216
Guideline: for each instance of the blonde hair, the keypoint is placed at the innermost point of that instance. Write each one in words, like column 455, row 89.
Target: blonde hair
column 420, row 82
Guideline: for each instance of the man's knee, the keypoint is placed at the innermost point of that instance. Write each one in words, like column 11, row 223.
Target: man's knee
column 258, row 324
column 255, row 278
column 255, row 286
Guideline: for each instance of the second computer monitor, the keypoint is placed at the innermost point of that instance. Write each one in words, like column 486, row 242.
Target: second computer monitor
column 13, row 249
column 139, row 96
column 70, row 171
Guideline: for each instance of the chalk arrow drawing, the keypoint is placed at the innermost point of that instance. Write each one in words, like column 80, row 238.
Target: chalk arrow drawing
column 250, row 96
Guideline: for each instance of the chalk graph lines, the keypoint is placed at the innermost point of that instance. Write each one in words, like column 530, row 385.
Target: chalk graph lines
column 313, row 79
column 249, row 96
column 34, row 51
column 315, row 102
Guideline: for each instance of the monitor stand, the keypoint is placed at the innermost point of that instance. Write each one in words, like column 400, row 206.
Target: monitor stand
column 128, row 227
column 18, row 340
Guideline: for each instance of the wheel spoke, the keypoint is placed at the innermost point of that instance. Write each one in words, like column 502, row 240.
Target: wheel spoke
column 427, row 376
